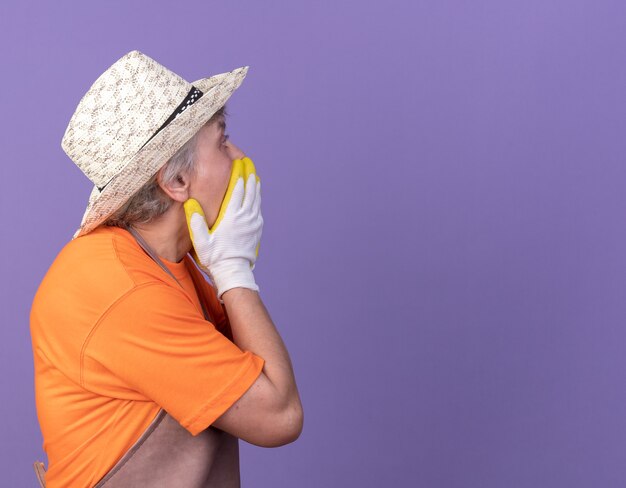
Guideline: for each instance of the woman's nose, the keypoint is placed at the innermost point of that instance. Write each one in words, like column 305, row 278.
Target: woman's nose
column 233, row 151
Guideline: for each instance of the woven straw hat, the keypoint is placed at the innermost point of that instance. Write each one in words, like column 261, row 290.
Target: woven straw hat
column 131, row 121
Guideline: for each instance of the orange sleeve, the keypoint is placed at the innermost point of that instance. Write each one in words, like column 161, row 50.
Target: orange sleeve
column 157, row 343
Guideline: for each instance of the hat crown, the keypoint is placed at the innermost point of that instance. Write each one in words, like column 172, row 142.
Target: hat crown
column 123, row 108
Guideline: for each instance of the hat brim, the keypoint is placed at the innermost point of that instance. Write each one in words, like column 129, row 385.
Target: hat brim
column 150, row 158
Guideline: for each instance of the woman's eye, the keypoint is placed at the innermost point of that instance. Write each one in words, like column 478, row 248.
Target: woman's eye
column 225, row 138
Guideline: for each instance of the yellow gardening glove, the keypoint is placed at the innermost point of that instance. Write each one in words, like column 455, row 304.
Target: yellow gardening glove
column 229, row 249
column 241, row 167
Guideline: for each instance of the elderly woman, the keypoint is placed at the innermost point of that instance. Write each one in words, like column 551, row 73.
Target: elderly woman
column 145, row 373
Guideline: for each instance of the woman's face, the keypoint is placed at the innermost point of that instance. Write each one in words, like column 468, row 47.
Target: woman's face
column 214, row 159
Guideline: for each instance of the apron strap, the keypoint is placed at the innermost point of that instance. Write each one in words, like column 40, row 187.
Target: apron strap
column 144, row 245
column 40, row 471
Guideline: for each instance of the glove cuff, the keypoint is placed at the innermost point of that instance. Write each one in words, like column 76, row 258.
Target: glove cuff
column 232, row 273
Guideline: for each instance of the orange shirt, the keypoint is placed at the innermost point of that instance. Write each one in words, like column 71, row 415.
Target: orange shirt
column 115, row 339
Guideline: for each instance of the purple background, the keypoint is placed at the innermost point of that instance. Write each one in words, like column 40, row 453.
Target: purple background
column 444, row 243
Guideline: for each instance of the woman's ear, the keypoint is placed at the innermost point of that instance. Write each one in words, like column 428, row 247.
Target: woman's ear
column 177, row 189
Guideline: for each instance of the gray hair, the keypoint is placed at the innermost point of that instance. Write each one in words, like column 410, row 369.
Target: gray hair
column 150, row 201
